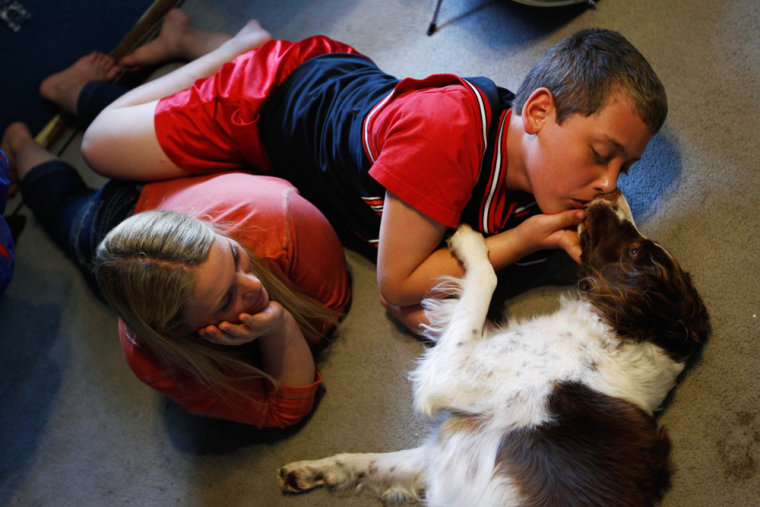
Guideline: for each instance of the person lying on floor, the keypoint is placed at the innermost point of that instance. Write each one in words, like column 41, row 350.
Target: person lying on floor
column 221, row 282
column 397, row 163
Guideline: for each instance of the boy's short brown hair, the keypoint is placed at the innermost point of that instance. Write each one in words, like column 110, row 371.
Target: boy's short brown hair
column 583, row 71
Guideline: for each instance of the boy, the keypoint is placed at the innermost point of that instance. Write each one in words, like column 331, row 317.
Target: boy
column 396, row 163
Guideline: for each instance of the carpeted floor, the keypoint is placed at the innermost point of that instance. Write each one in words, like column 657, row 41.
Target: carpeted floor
column 78, row 429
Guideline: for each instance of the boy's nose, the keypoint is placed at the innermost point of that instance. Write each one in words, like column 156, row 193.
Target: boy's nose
column 607, row 182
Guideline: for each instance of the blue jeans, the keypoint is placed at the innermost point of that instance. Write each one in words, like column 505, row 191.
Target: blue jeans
column 74, row 215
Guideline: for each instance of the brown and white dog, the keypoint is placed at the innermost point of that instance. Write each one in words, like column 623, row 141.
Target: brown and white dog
column 556, row 410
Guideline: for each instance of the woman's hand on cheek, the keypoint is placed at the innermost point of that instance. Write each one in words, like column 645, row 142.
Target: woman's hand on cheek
column 268, row 322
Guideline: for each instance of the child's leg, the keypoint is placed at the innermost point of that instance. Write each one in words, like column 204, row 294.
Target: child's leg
column 220, row 49
column 122, row 143
column 177, row 39
column 75, row 216
column 94, row 97
column 22, row 150
column 64, row 87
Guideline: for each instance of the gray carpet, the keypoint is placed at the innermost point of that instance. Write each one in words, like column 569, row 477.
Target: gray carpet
column 79, row 429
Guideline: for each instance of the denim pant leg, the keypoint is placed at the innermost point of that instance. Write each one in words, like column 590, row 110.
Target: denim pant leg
column 75, row 216
column 93, row 98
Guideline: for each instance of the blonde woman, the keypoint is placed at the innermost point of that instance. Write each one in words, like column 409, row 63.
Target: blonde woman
column 221, row 282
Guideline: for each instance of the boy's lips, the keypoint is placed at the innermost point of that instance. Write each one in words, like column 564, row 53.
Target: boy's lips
column 578, row 204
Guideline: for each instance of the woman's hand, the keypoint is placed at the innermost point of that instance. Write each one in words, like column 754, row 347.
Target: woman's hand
column 267, row 323
column 285, row 355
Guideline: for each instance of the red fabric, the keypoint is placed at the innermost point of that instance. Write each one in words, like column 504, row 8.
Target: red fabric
column 429, row 144
column 263, row 407
column 213, row 125
column 270, row 218
column 428, row 139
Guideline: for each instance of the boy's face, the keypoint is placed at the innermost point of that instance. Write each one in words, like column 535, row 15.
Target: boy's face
column 571, row 163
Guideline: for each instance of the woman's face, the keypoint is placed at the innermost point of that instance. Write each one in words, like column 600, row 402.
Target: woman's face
column 225, row 287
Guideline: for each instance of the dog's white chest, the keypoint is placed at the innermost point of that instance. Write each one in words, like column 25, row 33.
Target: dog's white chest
column 513, row 370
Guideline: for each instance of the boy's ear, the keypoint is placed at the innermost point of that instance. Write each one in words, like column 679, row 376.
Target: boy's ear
column 538, row 109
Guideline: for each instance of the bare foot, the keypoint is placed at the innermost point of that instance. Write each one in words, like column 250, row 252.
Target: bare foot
column 180, row 39
column 23, row 152
column 63, row 87
column 166, row 46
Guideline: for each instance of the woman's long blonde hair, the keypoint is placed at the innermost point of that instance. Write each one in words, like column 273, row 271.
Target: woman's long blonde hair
column 145, row 270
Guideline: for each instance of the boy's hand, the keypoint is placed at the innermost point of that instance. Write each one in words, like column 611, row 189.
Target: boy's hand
column 555, row 231
column 268, row 322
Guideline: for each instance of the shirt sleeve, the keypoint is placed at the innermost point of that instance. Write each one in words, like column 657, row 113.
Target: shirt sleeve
column 261, row 406
column 430, row 145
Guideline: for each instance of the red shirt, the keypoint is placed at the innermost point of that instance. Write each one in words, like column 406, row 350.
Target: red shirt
column 269, row 217
column 425, row 141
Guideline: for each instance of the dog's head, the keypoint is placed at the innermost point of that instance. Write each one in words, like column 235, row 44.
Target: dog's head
column 636, row 284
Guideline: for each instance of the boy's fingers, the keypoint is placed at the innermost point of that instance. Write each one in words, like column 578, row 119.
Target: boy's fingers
column 574, row 217
column 574, row 251
column 563, row 220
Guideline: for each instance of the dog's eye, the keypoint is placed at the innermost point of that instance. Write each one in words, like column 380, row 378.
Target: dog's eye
column 634, row 250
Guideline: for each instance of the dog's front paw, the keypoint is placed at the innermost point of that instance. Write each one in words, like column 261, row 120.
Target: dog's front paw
column 299, row 476
column 468, row 246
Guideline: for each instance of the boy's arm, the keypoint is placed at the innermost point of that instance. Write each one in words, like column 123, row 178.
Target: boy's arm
column 409, row 262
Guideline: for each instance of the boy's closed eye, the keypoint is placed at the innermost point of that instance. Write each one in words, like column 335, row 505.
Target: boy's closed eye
column 604, row 159
column 598, row 157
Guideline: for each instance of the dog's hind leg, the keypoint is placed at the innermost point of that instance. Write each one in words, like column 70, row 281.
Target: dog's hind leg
column 393, row 476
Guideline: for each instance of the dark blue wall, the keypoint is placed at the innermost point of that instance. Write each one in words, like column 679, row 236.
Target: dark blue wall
column 57, row 33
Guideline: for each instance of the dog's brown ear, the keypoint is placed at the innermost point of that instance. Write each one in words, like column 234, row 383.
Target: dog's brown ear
column 651, row 303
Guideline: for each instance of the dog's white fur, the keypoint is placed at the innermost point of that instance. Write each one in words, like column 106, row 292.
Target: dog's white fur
column 480, row 382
